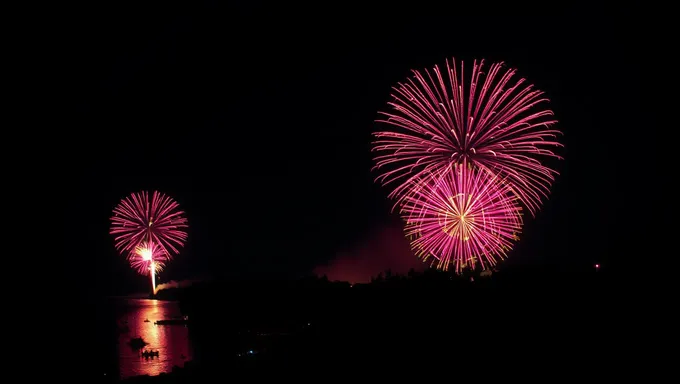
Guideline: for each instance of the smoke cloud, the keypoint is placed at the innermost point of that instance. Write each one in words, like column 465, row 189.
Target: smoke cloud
column 177, row 284
column 385, row 248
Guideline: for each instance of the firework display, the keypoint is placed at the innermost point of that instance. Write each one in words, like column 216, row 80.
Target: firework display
column 461, row 218
column 492, row 120
column 157, row 219
column 464, row 151
column 148, row 230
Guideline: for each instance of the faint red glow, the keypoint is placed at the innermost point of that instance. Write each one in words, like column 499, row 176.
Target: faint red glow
column 383, row 248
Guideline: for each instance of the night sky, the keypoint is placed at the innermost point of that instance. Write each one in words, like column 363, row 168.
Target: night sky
column 258, row 121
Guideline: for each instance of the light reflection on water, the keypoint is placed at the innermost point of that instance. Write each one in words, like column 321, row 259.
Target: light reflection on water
column 171, row 341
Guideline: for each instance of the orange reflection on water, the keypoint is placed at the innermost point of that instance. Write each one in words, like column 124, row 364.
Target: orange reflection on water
column 171, row 341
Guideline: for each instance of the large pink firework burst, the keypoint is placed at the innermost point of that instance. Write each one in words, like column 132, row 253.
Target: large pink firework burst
column 463, row 216
column 156, row 220
column 488, row 119
column 146, row 256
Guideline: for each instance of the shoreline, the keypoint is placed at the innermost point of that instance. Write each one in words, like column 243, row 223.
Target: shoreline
column 137, row 297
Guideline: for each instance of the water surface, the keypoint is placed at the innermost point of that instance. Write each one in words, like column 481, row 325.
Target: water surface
column 171, row 341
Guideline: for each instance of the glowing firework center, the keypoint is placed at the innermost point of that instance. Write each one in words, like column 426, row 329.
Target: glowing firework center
column 145, row 253
column 455, row 221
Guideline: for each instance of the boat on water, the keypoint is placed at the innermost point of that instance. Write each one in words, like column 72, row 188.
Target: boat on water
column 171, row 322
column 150, row 354
column 175, row 321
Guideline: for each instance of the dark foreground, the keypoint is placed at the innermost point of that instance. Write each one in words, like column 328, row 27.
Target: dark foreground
column 544, row 323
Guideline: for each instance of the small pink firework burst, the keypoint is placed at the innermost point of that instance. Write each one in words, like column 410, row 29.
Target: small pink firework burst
column 146, row 256
column 463, row 216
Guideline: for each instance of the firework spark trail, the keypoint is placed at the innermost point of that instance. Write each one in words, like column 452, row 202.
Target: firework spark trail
column 148, row 258
column 462, row 216
column 158, row 220
column 494, row 123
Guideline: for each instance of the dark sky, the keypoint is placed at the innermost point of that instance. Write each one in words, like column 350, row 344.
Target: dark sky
column 257, row 120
